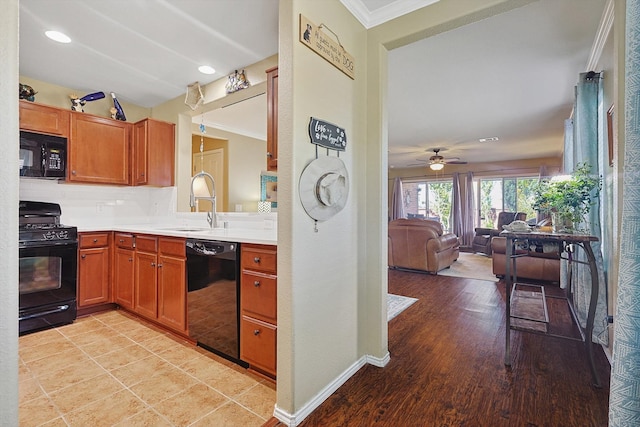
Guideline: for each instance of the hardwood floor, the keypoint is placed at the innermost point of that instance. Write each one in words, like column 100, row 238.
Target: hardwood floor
column 447, row 367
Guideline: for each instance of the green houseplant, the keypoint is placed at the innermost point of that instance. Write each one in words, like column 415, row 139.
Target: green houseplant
column 568, row 198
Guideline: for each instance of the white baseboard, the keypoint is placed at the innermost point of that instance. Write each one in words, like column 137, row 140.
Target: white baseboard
column 293, row 420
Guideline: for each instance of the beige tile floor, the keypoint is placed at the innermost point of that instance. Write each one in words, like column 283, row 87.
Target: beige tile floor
column 111, row 369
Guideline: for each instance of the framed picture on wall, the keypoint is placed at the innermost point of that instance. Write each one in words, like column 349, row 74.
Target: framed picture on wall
column 269, row 188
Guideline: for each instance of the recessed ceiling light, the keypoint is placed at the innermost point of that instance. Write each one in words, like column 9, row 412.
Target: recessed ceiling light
column 492, row 139
column 57, row 36
column 206, row 69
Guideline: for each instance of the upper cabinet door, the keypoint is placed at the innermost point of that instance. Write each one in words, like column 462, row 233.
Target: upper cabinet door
column 99, row 150
column 44, row 119
column 154, row 153
column 272, row 119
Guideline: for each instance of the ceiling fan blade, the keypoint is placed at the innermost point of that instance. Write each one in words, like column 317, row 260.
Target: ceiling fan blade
column 456, row 162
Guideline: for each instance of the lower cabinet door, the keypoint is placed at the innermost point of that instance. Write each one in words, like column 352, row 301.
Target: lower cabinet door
column 172, row 293
column 93, row 276
column 146, row 290
column 258, row 344
column 123, row 278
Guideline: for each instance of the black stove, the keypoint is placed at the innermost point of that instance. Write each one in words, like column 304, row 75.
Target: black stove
column 48, row 267
column 40, row 222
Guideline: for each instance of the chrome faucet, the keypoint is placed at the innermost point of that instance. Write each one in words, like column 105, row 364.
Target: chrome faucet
column 193, row 198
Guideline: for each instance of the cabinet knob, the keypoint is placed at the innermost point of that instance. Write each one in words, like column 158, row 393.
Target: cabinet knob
column 256, row 260
column 256, row 283
column 269, row 154
column 159, row 265
column 95, row 240
column 130, row 259
column 256, row 332
column 121, row 240
column 83, row 256
column 153, row 264
column 73, row 172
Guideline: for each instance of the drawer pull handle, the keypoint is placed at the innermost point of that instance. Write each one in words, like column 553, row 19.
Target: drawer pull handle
column 256, row 283
column 256, row 332
column 121, row 240
column 256, row 260
column 130, row 259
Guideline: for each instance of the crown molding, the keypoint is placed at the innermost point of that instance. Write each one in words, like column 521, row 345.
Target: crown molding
column 606, row 23
column 386, row 13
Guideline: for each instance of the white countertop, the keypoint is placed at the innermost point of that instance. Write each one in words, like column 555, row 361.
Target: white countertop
column 238, row 231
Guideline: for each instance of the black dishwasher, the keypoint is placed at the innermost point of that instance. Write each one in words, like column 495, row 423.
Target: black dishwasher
column 213, row 297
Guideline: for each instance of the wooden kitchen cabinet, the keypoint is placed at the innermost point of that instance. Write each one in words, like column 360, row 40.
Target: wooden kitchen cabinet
column 146, row 277
column 124, row 273
column 44, row 119
column 93, row 268
column 153, row 154
column 258, row 307
column 272, row 119
column 99, row 150
column 172, row 283
column 160, row 281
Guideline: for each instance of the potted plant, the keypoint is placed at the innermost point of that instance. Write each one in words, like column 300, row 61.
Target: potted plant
column 568, row 198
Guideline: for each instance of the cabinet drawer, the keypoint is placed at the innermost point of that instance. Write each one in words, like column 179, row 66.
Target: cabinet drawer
column 147, row 244
column 258, row 295
column 261, row 258
column 93, row 240
column 172, row 247
column 258, row 344
column 124, row 240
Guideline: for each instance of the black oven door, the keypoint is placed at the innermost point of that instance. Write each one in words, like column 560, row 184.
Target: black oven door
column 47, row 284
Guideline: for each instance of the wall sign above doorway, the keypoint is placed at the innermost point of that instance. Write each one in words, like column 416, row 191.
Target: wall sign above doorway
column 312, row 36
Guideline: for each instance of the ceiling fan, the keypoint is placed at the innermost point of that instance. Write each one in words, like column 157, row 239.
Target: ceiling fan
column 437, row 162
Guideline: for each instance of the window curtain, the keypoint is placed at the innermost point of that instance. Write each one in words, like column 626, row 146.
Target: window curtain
column 397, row 200
column 624, row 399
column 584, row 145
column 456, row 208
column 463, row 209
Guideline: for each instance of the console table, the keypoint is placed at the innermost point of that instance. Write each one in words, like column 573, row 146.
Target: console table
column 566, row 244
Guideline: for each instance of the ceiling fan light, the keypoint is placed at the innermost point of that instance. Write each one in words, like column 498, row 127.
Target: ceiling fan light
column 436, row 166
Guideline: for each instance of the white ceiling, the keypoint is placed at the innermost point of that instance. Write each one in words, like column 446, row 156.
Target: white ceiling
column 510, row 76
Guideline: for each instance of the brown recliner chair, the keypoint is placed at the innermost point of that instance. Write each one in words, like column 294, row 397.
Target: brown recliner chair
column 420, row 244
column 482, row 239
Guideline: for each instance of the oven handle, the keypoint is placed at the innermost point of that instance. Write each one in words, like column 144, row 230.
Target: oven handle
column 58, row 309
column 46, row 244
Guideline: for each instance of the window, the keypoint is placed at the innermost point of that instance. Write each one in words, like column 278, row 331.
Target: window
column 428, row 199
column 495, row 195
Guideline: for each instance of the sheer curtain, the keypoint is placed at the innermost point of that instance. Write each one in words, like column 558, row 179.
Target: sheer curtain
column 462, row 209
column 624, row 406
column 583, row 147
column 456, row 208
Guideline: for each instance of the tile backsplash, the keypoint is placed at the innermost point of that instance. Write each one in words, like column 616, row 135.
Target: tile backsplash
column 101, row 205
column 96, row 206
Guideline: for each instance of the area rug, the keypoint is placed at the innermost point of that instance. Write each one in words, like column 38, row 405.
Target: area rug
column 471, row 266
column 396, row 304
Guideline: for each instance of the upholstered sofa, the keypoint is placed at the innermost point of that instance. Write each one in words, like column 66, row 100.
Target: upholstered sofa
column 537, row 266
column 421, row 244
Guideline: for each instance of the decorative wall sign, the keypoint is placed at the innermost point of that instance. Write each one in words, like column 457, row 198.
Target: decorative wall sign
column 327, row 135
column 314, row 38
